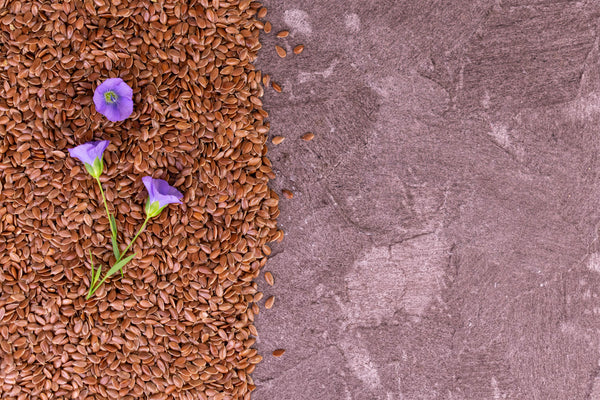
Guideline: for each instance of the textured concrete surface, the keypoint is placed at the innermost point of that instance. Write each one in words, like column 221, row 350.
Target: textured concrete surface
column 443, row 238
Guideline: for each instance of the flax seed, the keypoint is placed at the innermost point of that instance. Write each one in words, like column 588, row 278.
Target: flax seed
column 308, row 136
column 278, row 352
column 166, row 328
column 276, row 87
column 280, row 51
column 269, row 302
column 269, row 278
column 277, row 140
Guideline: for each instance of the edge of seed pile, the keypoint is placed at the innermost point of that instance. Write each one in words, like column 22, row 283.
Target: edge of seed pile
column 179, row 324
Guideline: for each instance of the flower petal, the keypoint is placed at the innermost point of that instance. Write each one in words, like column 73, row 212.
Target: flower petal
column 113, row 113
column 87, row 153
column 167, row 190
column 122, row 107
column 97, row 151
column 159, row 190
column 149, row 183
column 81, row 154
column 123, row 90
column 99, row 102
column 125, row 106
column 110, row 84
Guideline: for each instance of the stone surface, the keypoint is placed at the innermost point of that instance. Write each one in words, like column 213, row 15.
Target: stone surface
column 442, row 242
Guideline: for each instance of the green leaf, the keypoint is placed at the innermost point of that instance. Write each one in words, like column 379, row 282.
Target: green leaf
column 98, row 272
column 113, row 225
column 115, row 247
column 94, row 277
column 118, row 265
column 92, row 263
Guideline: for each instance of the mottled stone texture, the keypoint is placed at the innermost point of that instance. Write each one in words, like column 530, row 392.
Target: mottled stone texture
column 443, row 238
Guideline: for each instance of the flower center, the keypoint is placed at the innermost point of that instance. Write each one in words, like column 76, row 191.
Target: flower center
column 110, row 97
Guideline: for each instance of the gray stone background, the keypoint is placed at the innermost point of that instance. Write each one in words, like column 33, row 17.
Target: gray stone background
column 443, row 238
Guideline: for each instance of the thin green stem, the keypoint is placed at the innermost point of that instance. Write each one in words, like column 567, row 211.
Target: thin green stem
column 103, row 199
column 124, row 252
column 92, row 291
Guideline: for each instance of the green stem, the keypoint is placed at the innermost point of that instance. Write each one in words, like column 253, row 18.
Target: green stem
column 104, row 200
column 91, row 293
column 124, row 252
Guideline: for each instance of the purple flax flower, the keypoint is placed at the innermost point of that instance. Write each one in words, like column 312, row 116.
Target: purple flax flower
column 160, row 195
column 90, row 154
column 113, row 99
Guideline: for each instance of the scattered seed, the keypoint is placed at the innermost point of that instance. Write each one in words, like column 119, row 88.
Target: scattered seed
column 287, row 194
column 267, row 27
column 278, row 352
column 298, row 49
column 269, row 302
column 277, row 140
column 308, row 136
column 283, row 34
column 266, row 79
column 276, row 87
column 269, row 278
column 262, row 12
column 280, row 51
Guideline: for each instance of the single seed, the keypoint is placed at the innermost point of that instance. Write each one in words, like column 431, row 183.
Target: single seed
column 287, row 194
column 308, row 136
column 267, row 27
column 277, row 140
column 269, row 302
column 269, row 278
column 266, row 79
column 280, row 51
column 278, row 352
column 298, row 49
column 283, row 34
column 276, row 87
column 262, row 12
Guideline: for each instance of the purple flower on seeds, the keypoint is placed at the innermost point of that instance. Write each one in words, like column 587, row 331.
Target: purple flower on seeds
column 160, row 195
column 113, row 99
column 90, row 154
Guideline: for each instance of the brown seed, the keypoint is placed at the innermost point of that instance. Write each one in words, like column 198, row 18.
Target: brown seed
column 269, row 302
column 282, row 34
column 287, row 194
column 266, row 79
column 269, row 278
column 280, row 51
column 278, row 352
column 277, row 140
column 298, row 49
column 308, row 136
column 267, row 27
column 262, row 12
column 140, row 336
column 276, row 87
